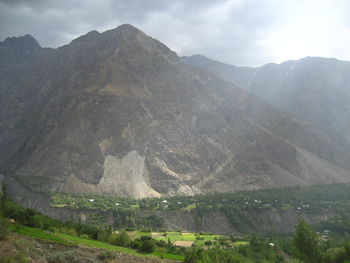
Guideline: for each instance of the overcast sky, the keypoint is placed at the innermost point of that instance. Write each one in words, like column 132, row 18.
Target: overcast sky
column 239, row 32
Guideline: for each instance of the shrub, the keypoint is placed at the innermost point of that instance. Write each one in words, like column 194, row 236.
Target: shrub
column 194, row 255
column 120, row 239
column 147, row 246
column 4, row 227
column 144, row 244
column 208, row 243
column 161, row 243
column 103, row 235
column 124, row 239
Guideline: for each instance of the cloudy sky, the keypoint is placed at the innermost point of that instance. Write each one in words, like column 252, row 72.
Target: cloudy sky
column 239, row 32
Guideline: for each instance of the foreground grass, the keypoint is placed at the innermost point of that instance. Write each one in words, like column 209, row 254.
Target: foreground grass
column 38, row 233
column 73, row 240
column 99, row 244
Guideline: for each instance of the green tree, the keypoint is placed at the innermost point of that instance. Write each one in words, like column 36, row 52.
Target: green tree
column 124, row 238
column 103, row 235
column 208, row 243
column 145, row 244
column 306, row 244
column 195, row 255
column 120, row 239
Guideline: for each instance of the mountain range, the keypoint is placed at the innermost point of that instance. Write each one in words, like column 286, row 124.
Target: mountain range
column 314, row 89
column 119, row 113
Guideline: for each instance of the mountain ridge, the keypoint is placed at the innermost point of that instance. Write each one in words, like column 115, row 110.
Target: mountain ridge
column 118, row 112
column 315, row 89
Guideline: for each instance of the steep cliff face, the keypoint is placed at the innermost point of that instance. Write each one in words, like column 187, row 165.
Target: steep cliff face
column 119, row 113
column 314, row 89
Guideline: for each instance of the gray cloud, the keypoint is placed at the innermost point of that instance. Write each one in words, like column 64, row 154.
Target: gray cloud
column 240, row 32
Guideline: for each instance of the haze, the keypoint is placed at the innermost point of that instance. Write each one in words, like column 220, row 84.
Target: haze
column 250, row 32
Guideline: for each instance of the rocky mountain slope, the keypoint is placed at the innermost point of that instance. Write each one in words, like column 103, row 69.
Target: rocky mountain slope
column 314, row 89
column 239, row 76
column 119, row 113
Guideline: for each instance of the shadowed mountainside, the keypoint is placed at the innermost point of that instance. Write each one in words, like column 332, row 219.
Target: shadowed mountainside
column 120, row 113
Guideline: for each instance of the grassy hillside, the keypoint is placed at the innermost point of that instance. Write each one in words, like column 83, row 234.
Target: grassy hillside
column 75, row 240
column 18, row 248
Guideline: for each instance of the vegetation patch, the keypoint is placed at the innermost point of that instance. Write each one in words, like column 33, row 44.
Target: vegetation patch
column 38, row 233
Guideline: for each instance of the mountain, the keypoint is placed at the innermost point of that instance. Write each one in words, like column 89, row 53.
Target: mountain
column 239, row 76
column 118, row 112
column 17, row 50
column 314, row 89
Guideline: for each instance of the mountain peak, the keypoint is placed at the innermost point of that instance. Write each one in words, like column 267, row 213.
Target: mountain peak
column 25, row 43
column 124, row 41
column 134, row 39
column 125, row 31
column 127, row 27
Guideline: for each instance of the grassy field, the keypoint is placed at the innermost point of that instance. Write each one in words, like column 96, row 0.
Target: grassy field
column 198, row 239
column 241, row 243
column 187, row 236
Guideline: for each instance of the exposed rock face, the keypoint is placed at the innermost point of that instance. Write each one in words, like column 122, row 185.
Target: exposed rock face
column 119, row 113
column 314, row 89
column 127, row 176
